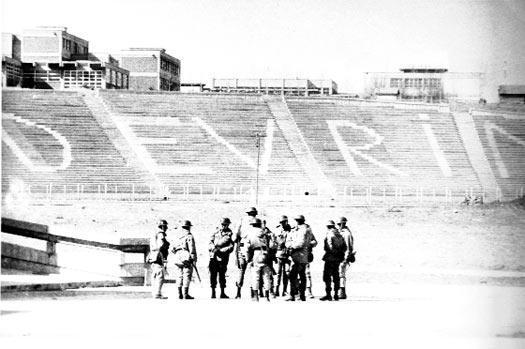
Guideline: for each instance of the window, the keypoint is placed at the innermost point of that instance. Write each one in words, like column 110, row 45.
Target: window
column 395, row 82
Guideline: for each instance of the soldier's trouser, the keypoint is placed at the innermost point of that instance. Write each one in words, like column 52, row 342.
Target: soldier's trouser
column 218, row 268
column 283, row 269
column 297, row 278
column 342, row 272
column 184, row 276
column 261, row 276
column 331, row 274
column 243, row 264
column 308, row 276
column 157, row 275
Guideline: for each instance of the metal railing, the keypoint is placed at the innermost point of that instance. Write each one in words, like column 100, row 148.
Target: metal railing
column 352, row 195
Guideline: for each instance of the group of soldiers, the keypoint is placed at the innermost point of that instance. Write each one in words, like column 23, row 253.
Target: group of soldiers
column 274, row 260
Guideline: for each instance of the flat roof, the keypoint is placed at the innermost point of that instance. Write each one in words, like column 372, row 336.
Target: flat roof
column 511, row 89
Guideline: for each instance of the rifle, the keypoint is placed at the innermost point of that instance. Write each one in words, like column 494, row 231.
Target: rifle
column 196, row 271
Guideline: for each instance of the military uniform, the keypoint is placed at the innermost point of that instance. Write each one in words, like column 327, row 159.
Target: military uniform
column 299, row 241
column 185, row 255
column 349, row 240
column 282, row 257
column 335, row 248
column 240, row 238
column 159, row 248
column 220, row 247
column 259, row 248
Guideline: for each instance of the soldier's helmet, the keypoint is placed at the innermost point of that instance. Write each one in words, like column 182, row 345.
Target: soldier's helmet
column 299, row 218
column 251, row 210
column 342, row 220
column 256, row 223
column 283, row 219
column 225, row 221
column 162, row 223
column 186, row 224
column 330, row 223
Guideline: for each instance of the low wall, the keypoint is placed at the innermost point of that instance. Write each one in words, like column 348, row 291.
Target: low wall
column 30, row 247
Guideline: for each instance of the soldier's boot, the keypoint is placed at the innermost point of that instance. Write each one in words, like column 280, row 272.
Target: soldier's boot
column 302, row 296
column 336, row 294
column 180, row 293
column 255, row 295
column 310, row 294
column 213, row 294
column 267, row 294
column 328, row 296
column 186, row 294
column 276, row 291
column 291, row 298
column 223, row 295
column 342, row 293
column 261, row 292
column 238, row 293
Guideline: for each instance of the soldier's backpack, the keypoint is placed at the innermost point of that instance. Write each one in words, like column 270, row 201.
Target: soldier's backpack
column 338, row 246
column 182, row 257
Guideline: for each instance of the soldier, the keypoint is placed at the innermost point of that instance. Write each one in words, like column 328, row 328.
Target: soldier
column 259, row 246
column 220, row 247
column 349, row 255
column 271, row 256
column 283, row 260
column 299, row 241
column 307, row 271
column 185, row 258
column 240, row 238
column 335, row 248
column 158, row 255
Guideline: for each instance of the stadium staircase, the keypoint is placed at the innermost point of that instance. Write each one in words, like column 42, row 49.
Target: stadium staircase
column 474, row 148
column 298, row 145
column 121, row 137
column 51, row 137
column 207, row 139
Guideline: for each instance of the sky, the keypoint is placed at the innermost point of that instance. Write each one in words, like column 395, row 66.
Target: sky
column 327, row 39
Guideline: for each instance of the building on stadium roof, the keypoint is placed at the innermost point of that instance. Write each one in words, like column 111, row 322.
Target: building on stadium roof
column 430, row 84
column 11, row 60
column 300, row 87
column 192, row 87
column 151, row 69
column 512, row 94
column 52, row 45
column 52, row 58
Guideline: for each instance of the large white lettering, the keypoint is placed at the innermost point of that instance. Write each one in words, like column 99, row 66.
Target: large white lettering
column 347, row 151
column 439, row 155
column 268, row 144
column 20, row 154
column 490, row 127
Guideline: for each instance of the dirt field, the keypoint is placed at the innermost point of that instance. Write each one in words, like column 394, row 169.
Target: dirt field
column 432, row 277
column 434, row 244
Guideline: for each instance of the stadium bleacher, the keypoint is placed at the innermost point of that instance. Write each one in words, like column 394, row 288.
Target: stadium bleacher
column 207, row 139
column 28, row 118
column 390, row 147
column 502, row 136
column 210, row 140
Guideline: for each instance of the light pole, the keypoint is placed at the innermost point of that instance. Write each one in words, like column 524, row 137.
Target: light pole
column 258, row 145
